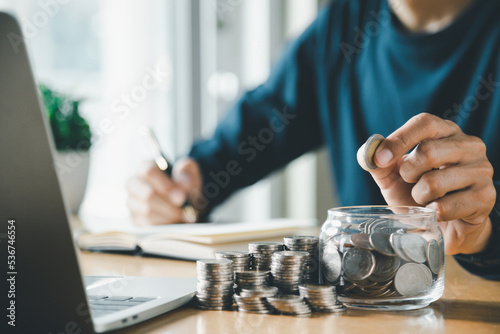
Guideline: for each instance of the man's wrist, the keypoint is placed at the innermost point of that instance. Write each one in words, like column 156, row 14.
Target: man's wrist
column 482, row 242
column 488, row 242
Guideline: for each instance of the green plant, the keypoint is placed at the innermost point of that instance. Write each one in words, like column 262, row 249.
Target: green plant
column 71, row 131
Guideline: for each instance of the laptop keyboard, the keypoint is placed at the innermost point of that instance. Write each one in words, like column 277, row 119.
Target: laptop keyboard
column 102, row 305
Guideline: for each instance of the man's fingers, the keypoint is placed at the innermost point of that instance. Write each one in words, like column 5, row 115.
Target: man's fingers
column 419, row 128
column 467, row 205
column 139, row 189
column 434, row 154
column 384, row 177
column 377, row 173
column 437, row 183
column 161, row 183
column 154, row 212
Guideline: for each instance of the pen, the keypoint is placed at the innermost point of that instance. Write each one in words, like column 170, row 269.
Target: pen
column 164, row 165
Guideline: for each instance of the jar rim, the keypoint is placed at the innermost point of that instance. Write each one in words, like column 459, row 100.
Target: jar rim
column 411, row 211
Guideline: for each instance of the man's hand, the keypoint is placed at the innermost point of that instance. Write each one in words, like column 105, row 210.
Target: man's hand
column 447, row 171
column 154, row 198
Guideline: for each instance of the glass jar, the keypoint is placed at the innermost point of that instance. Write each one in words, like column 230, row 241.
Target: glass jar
column 381, row 257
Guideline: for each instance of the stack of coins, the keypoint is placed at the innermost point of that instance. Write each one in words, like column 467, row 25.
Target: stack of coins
column 250, row 279
column 241, row 260
column 306, row 244
column 321, row 298
column 289, row 304
column 262, row 253
column 287, row 270
column 262, row 291
column 255, row 300
column 385, row 259
column 215, row 284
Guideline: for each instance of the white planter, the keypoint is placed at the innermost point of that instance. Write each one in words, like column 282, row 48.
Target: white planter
column 72, row 168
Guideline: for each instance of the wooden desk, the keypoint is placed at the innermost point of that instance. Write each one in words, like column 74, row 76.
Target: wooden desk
column 469, row 305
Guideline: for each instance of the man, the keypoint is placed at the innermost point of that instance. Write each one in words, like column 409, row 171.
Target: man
column 425, row 74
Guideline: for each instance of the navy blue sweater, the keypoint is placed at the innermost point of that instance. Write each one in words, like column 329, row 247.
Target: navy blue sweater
column 352, row 73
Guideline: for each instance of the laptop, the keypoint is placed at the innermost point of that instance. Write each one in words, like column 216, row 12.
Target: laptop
column 42, row 289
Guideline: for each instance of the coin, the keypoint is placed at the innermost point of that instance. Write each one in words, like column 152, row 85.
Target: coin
column 381, row 279
column 380, row 242
column 361, row 240
column 434, row 256
column 241, row 260
column 370, row 148
column 262, row 252
column 412, row 279
column 264, row 291
column 386, row 265
column 251, row 278
column 331, row 266
column 395, row 240
column 321, row 298
column 289, row 304
column 358, row 264
column 232, row 254
column 385, row 226
column 414, row 246
column 253, row 304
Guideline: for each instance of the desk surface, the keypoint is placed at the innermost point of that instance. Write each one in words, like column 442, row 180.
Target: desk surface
column 469, row 305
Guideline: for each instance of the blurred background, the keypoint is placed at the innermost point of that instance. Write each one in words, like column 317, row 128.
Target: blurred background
column 176, row 65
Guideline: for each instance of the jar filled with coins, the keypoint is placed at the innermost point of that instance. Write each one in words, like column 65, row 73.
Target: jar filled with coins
column 381, row 257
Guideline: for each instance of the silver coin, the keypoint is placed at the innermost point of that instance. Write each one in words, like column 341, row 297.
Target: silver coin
column 414, row 246
column 289, row 304
column 251, row 299
column 434, row 256
column 412, row 279
column 366, row 225
column 265, row 291
column 331, row 264
column 386, row 226
column 366, row 283
column 386, row 265
column 370, row 148
column 290, row 255
column 377, row 224
column 395, row 240
column 361, row 240
column 358, row 264
column 321, row 298
column 317, row 288
column 381, row 243
column 232, row 254
column 260, row 246
column 381, row 279
column 254, row 273
column 213, row 262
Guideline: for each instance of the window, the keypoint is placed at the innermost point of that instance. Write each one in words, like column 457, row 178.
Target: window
column 174, row 64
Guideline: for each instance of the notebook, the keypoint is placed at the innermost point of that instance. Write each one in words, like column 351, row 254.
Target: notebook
column 185, row 241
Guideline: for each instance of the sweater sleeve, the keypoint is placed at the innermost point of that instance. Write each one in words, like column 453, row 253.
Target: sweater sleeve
column 267, row 128
column 487, row 263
